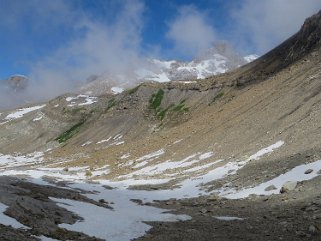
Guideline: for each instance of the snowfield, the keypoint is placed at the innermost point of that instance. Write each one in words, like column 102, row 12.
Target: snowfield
column 21, row 112
column 127, row 217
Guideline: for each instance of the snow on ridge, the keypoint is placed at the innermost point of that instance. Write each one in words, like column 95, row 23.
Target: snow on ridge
column 251, row 57
column 21, row 112
column 88, row 100
column 117, row 90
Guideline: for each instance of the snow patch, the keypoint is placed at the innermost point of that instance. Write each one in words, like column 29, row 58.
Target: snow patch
column 296, row 174
column 125, row 222
column 266, row 150
column 117, row 90
column 227, row 218
column 21, row 112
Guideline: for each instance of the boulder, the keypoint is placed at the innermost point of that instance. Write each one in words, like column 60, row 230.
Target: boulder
column 288, row 186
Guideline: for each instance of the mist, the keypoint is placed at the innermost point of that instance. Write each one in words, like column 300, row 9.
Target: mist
column 114, row 46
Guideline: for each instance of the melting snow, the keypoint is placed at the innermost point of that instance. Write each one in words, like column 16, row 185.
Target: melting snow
column 126, row 221
column 117, row 90
column 116, row 140
column 266, row 150
column 296, row 174
column 123, row 223
column 44, row 238
column 142, row 161
column 102, row 141
column 86, row 143
column 21, row 112
column 88, row 100
column 227, row 218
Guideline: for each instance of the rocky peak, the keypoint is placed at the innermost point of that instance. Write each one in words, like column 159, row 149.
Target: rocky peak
column 17, row 82
column 307, row 39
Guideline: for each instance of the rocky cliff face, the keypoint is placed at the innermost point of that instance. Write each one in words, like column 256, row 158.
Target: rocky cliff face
column 305, row 42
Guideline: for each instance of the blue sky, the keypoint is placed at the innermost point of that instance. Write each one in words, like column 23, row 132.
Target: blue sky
column 65, row 40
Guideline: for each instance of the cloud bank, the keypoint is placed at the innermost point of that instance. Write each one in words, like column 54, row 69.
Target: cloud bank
column 190, row 32
column 113, row 43
column 100, row 49
column 266, row 23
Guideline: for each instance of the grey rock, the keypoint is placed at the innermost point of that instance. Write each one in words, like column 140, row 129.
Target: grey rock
column 288, row 186
column 308, row 171
column 270, row 188
column 203, row 210
column 312, row 229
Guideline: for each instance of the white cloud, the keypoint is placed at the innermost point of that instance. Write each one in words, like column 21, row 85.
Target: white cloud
column 266, row 23
column 95, row 47
column 190, row 31
column 101, row 48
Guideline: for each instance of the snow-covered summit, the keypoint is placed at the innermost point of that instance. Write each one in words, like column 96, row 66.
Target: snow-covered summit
column 216, row 60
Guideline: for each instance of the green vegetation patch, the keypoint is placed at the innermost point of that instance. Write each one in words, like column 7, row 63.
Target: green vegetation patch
column 133, row 90
column 218, row 96
column 111, row 103
column 162, row 113
column 171, row 110
column 70, row 133
column 180, row 107
column 156, row 100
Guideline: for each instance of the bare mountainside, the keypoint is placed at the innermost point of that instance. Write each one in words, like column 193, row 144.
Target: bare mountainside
column 234, row 157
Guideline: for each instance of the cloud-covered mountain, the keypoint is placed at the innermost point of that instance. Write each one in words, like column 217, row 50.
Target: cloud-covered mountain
column 216, row 60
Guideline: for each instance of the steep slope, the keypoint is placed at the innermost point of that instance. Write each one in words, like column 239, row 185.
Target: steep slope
column 295, row 48
column 201, row 144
